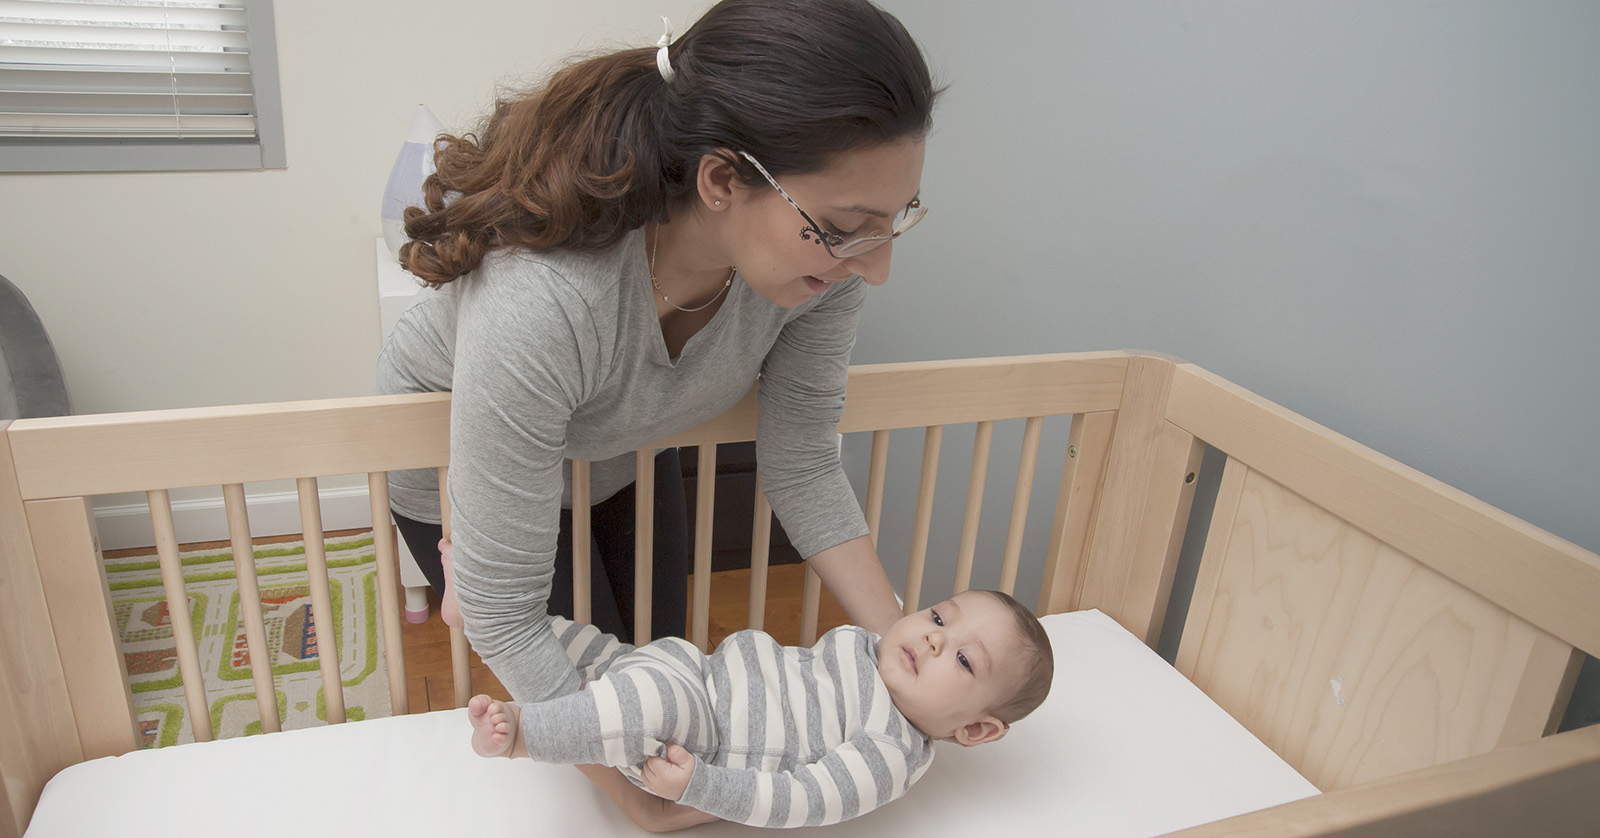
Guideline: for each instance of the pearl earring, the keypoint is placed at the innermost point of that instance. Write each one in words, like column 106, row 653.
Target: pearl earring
column 716, row 203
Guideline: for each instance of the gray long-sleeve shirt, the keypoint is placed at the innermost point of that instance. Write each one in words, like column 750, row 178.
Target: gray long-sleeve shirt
column 782, row 735
column 560, row 355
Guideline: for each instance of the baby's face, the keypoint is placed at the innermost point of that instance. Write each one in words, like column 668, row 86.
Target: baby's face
column 945, row 666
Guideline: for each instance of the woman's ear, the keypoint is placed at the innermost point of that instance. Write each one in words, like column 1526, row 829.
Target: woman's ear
column 986, row 729
column 716, row 180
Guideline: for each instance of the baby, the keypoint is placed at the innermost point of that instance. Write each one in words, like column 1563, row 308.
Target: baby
column 769, row 735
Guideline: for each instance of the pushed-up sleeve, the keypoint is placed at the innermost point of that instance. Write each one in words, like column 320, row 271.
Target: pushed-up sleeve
column 524, row 358
column 801, row 396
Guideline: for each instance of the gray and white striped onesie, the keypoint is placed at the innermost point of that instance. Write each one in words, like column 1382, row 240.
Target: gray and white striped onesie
column 782, row 735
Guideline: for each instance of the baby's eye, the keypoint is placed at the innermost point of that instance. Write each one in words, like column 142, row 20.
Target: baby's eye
column 937, row 620
column 965, row 664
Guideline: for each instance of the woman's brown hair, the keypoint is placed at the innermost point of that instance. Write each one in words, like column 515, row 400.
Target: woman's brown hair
column 606, row 144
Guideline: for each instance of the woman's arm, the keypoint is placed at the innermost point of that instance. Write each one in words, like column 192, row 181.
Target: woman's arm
column 521, row 367
column 855, row 577
column 642, row 807
column 802, row 397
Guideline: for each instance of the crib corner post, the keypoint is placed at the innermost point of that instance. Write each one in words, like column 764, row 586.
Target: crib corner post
column 1145, row 498
column 38, row 732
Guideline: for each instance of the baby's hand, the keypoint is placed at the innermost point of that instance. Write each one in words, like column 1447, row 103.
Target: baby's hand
column 668, row 777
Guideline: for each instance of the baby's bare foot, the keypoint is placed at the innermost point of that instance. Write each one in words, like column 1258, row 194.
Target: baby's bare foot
column 494, row 726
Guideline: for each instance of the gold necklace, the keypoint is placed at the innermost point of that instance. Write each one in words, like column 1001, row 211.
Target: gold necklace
column 657, row 285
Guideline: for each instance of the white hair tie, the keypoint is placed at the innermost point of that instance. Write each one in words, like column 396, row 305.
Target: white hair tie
column 663, row 64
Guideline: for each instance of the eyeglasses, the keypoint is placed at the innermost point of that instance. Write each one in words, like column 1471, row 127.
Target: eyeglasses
column 836, row 244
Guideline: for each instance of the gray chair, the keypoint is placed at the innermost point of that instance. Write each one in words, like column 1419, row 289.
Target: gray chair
column 30, row 374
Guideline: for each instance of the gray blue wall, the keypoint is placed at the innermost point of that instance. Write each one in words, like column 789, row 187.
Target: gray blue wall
column 1382, row 215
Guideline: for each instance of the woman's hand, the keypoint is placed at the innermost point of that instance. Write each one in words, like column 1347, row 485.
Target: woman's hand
column 643, row 808
column 855, row 577
column 667, row 777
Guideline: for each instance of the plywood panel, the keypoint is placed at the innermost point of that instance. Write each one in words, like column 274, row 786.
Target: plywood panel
column 1548, row 581
column 1350, row 659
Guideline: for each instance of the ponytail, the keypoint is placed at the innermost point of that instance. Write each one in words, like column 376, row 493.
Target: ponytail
column 608, row 144
column 547, row 172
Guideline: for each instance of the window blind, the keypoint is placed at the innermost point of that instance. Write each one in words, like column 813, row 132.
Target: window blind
column 114, row 72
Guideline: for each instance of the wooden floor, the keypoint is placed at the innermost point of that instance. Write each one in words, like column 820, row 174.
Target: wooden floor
column 427, row 645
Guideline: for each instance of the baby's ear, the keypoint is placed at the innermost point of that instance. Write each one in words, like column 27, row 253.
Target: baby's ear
column 986, row 729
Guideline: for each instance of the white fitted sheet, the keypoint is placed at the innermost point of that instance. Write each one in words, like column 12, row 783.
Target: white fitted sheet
column 1125, row 746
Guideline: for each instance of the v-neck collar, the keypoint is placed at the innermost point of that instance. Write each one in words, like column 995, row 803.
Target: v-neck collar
column 658, row 349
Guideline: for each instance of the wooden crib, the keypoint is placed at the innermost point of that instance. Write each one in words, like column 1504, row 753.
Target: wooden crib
column 1459, row 628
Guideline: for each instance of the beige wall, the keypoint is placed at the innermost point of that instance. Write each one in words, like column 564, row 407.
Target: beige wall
column 182, row 289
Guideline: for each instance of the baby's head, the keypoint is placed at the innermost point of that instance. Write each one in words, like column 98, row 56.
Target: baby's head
column 967, row 668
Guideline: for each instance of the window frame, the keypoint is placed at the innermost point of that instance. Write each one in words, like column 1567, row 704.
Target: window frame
column 265, row 151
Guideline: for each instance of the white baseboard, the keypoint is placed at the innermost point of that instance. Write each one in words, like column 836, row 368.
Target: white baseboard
column 205, row 519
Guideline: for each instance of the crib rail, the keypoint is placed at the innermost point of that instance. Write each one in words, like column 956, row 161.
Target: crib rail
column 59, row 464
column 1294, row 501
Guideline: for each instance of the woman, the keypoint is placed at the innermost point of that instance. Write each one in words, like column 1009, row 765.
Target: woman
column 622, row 253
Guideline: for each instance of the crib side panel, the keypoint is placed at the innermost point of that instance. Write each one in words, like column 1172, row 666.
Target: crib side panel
column 38, row 735
column 1545, row 580
column 1351, row 660
column 62, row 459
column 1346, row 612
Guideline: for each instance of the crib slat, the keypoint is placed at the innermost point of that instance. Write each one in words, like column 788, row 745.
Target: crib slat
column 194, row 687
column 1171, row 495
column 969, row 524
column 255, row 627
column 581, row 544
column 386, row 556
column 1208, row 578
column 1019, row 503
column 810, row 604
column 460, row 658
column 83, row 686
column 705, row 488
column 760, row 549
column 924, row 520
column 876, row 472
column 321, row 600
column 644, row 552
column 1088, row 445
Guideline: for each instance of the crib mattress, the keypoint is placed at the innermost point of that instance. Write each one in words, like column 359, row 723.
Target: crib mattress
column 1125, row 746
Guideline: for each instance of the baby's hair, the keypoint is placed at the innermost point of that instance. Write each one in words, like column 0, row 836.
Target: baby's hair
column 1038, row 663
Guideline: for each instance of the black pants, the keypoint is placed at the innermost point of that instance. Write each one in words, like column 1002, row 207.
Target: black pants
column 611, row 557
